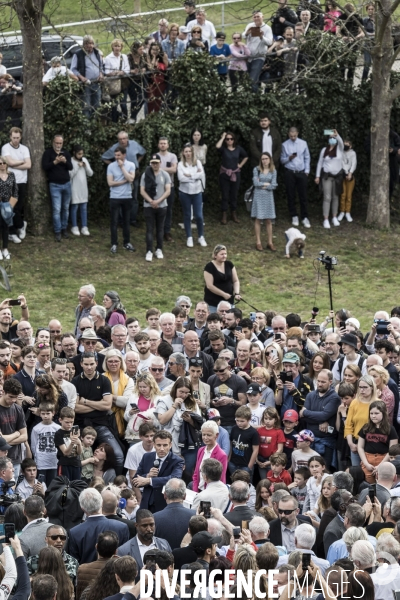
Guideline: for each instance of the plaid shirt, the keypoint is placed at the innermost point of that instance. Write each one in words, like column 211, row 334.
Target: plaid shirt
column 71, row 565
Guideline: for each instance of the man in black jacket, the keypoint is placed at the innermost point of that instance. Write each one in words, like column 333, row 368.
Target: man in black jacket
column 282, row 529
column 239, row 493
column 57, row 163
column 265, row 138
column 88, row 340
column 284, row 17
column 87, row 65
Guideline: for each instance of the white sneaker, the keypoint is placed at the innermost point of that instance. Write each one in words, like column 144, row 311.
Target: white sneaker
column 159, row 253
column 14, row 238
column 75, row 231
column 326, row 224
column 306, row 223
column 6, row 254
column 349, row 217
column 189, row 242
column 22, row 232
column 295, row 221
column 1, row 255
column 202, row 241
column 335, row 222
column 149, row 256
column 85, row 231
column 340, row 216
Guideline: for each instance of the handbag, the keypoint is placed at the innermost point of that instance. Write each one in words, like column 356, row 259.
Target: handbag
column 113, row 87
column 6, row 211
column 248, row 197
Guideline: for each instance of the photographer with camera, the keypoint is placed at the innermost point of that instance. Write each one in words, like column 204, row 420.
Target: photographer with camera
column 379, row 330
column 7, row 483
column 292, row 386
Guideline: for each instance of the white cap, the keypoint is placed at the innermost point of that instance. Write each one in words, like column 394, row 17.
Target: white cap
column 183, row 29
column 354, row 322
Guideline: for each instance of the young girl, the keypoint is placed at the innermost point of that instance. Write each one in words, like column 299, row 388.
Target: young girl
column 263, row 206
column 346, row 392
column 316, row 464
column 79, row 189
column 144, row 400
column 263, row 494
column 272, row 439
column 324, row 500
column 374, row 439
column 296, row 238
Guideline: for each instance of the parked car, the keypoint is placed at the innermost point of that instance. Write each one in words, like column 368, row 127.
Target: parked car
column 52, row 45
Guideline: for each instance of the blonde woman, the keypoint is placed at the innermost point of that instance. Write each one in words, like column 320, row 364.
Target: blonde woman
column 358, row 415
column 381, row 377
column 262, row 376
column 141, row 407
column 274, row 358
column 190, row 175
column 116, row 64
column 263, row 206
column 122, row 386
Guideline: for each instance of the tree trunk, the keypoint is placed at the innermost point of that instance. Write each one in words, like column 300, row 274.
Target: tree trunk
column 30, row 14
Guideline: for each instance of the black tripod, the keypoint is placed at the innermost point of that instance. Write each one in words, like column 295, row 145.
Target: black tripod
column 329, row 262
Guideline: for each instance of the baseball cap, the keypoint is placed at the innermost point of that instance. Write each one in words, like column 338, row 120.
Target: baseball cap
column 291, row 357
column 155, row 158
column 305, row 436
column 291, row 415
column 203, row 540
column 220, row 34
column 183, row 29
column 4, row 445
column 213, row 413
column 253, row 389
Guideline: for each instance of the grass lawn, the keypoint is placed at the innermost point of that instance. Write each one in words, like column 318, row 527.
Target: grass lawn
column 365, row 280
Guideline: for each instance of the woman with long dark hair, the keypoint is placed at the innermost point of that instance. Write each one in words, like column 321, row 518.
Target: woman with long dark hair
column 375, row 439
column 105, row 463
column 233, row 158
column 329, row 177
column 157, row 63
column 263, row 206
column 319, row 361
column 48, row 390
column 51, row 563
column 116, row 314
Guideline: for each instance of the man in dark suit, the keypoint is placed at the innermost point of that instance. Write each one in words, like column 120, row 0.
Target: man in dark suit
column 186, row 554
column 144, row 540
column 88, row 340
column 239, row 494
column 281, row 530
column 83, row 537
column 110, row 505
column 335, row 530
column 172, row 522
column 153, row 477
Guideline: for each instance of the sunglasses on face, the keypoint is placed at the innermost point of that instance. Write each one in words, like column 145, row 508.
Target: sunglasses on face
column 171, row 364
column 184, row 306
column 219, row 370
column 229, row 139
column 285, row 512
column 156, row 370
column 61, row 537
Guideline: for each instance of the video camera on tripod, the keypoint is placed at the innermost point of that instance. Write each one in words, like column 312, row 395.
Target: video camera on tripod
column 8, row 499
column 328, row 261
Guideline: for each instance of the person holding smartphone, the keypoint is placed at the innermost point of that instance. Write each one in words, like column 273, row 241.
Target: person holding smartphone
column 295, row 157
column 329, row 176
column 292, row 393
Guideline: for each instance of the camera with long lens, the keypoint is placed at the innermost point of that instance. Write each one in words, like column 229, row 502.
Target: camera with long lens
column 8, row 499
column 328, row 261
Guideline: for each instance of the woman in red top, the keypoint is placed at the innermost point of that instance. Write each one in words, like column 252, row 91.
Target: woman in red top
column 157, row 63
column 272, row 439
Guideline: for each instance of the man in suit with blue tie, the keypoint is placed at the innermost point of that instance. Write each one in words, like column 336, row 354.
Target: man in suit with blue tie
column 155, row 469
column 83, row 537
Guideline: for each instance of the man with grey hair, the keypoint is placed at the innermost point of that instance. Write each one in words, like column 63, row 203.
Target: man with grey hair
column 119, row 334
column 222, row 309
column 169, row 333
column 86, row 300
column 304, row 539
column 239, row 493
column 259, row 530
column 111, row 497
column 340, row 548
column 185, row 303
column 386, row 578
column 363, row 556
column 87, row 65
column 391, row 516
column 132, row 360
column 157, row 369
column 173, row 521
column 98, row 315
column 83, row 537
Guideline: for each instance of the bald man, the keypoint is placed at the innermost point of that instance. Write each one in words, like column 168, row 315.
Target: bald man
column 109, row 510
column 386, row 476
column 191, row 349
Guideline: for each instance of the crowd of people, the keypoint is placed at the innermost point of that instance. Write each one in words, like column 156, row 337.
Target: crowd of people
column 212, row 440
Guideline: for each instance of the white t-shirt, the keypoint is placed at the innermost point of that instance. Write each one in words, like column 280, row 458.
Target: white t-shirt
column 144, row 365
column 70, row 392
column 20, row 153
column 267, row 141
column 54, row 71
column 43, row 447
column 256, row 414
column 133, row 458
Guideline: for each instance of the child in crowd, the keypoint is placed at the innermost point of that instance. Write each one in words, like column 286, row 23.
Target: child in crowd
column 132, row 505
column 29, row 483
column 347, row 393
column 245, row 442
column 89, row 436
column 324, row 500
column 121, row 482
column 304, row 452
column 263, row 493
column 81, row 170
column 317, row 466
column 394, row 452
column 296, row 238
column 290, row 422
column 349, row 164
column 42, row 443
column 278, row 473
column 375, row 439
column 68, row 444
column 272, row 439
column 257, row 409
column 298, row 488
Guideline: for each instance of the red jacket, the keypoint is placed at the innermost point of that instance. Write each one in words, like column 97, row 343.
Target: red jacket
column 218, row 454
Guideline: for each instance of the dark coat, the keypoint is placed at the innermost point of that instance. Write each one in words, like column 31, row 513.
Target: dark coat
column 172, row 523
column 239, row 514
column 152, row 495
column 78, row 367
column 333, row 532
column 131, row 548
column 256, row 144
column 83, row 537
column 275, row 529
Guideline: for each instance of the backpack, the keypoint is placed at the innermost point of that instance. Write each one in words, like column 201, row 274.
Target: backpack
column 359, row 365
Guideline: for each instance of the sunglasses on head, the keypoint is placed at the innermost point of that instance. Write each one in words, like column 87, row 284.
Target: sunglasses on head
column 43, row 345
column 196, row 361
column 59, row 361
column 60, row 536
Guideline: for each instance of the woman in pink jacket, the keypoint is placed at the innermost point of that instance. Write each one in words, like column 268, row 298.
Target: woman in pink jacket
column 209, row 433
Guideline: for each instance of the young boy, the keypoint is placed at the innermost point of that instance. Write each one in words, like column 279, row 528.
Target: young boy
column 132, row 505
column 89, row 436
column 245, row 442
column 349, row 164
column 298, row 488
column 220, row 51
column 295, row 237
column 136, row 452
column 42, row 443
column 68, row 446
column 257, row 409
column 347, row 393
column 290, row 422
column 394, row 452
column 301, row 456
column 278, row 473
column 29, row 483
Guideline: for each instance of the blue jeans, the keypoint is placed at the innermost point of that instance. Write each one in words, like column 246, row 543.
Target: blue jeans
column 228, row 428
column 91, row 98
column 355, row 459
column 190, row 457
column 83, row 213
column 232, row 468
column 254, row 70
column 168, row 218
column 367, row 65
column 60, row 198
column 187, row 201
